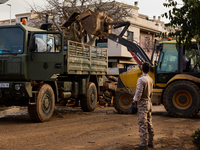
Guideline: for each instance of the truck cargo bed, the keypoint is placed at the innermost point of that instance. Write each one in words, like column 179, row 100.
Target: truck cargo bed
column 85, row 59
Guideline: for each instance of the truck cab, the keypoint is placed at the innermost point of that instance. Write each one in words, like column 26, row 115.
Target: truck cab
column 23, row 58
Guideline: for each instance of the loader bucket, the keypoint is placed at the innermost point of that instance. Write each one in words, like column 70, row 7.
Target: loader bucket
column 92, row 22
column 95, row 24
column 71, row 19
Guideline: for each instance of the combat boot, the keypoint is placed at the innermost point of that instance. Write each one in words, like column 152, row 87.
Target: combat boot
column 140, row 147
column 150, row 145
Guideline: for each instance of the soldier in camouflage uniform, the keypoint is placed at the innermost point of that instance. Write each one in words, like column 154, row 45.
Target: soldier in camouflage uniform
column 143, row 96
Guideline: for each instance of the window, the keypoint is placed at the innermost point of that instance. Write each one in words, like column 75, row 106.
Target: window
column 101, row 43
column 168, row 62
column 46, row 43
column 130, row 36
column 191, row 61
column 110, row 64
column 12, row 40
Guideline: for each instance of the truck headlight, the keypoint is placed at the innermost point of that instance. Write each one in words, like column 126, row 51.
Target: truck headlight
column 17, row 87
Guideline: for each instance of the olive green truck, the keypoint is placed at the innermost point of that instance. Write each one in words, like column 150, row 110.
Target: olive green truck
column 39, row 69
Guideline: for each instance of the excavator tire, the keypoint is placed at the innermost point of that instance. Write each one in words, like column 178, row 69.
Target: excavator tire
column 123, row 99
column 181, row 99
column 89, row 101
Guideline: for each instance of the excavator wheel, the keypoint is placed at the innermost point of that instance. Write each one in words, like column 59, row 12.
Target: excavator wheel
column 123, row 99
column 181, row 99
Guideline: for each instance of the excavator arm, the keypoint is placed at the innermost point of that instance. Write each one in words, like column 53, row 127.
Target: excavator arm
column 136, row 51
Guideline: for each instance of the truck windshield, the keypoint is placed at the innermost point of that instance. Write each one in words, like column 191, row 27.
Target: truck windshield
column 168, row 62
column 11, row 40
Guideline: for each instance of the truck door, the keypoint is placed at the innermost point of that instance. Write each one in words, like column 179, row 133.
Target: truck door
column 45, row 57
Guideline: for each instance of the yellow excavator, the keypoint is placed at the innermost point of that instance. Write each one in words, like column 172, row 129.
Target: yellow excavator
column 176, row 74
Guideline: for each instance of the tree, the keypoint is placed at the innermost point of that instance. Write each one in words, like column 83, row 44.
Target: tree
column 147, row 43
column 60, row 10
column 185, row 20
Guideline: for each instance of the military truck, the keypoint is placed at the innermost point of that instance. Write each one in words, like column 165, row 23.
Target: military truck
column 37, row 70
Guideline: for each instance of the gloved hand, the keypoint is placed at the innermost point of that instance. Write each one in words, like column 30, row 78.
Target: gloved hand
column 133, row 108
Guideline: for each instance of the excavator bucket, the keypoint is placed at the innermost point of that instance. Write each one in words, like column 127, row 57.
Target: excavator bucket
column 92, row 22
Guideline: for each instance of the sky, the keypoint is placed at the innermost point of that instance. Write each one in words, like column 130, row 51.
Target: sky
column 146, row 7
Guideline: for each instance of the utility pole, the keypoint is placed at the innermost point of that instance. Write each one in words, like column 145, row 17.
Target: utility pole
column 2, row 2
column 10, row 12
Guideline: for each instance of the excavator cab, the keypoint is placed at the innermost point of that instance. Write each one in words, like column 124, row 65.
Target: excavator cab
column 168, row 65
column 176, row 59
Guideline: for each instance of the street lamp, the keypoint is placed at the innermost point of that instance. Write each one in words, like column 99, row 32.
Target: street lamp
column 10, row 12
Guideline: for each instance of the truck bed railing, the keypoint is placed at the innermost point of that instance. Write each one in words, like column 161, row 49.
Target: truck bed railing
column 85, row 59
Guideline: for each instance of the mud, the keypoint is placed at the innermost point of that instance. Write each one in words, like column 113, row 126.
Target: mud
column 103, row 129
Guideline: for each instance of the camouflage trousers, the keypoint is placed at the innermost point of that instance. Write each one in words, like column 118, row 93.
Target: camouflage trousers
column 145, row 122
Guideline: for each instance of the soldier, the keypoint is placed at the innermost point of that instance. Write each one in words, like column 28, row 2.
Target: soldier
column 143, row 96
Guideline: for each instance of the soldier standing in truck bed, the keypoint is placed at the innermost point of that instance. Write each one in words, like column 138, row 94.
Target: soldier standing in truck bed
column 143, row 97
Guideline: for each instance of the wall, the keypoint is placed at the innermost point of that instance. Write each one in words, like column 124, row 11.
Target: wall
column 141, row 26
column 118, row 50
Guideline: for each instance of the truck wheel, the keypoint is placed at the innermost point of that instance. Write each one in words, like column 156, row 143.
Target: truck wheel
column 45, row 104
column 181, row 99
column 123, row 99
column 89, row 101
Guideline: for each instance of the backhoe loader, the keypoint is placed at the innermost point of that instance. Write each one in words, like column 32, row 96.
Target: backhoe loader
column 176, row 74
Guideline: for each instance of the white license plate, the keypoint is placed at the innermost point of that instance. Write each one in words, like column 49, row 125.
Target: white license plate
column 4, row 85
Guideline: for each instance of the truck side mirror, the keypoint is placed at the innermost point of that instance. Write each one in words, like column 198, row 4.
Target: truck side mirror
column 33, row 44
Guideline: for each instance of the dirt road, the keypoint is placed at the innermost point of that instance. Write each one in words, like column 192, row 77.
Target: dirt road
column 103, row 129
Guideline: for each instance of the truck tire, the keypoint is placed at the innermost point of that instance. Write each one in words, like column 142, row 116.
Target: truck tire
column 45, row 104
column 122, row 100
column 181, row 99
column 89, row 101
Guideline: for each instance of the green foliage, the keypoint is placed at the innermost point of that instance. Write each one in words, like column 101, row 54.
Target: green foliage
column 196, row 139
column 185, row 20
column 193, row 55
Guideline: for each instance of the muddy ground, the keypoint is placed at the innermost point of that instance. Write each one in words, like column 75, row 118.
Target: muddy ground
column 103, row 129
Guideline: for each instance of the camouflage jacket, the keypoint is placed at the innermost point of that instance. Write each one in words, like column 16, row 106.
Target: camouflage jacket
column 144, row 88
